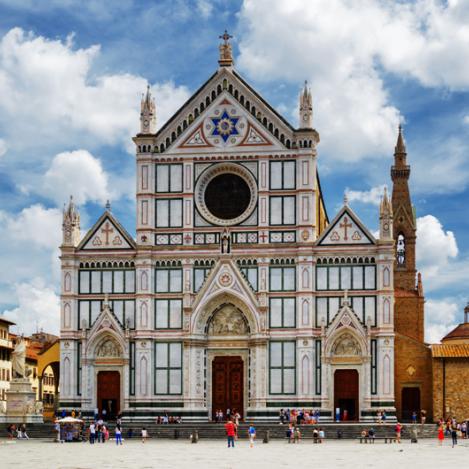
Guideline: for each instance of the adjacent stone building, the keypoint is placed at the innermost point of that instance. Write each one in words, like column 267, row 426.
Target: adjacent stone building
column 451, row 373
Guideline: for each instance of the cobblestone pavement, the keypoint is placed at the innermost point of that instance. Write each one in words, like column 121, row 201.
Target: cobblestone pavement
column 133, row 454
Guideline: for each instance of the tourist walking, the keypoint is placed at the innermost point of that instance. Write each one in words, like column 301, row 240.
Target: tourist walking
column 144, row 435
column 414, row 417
column 92, row 432
column 252, row 435
column 398, row 430
column 118, row 433
column 230, row 433
column 322, row 435
column 454, row 436
column 22, row 432
column 441, row 435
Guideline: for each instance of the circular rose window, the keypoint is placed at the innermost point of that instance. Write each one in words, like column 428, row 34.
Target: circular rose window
column 226, row 194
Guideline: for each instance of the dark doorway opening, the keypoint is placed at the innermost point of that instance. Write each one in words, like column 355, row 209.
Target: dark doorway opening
column 410, row 403
column 346, row 394
column 109, row 393
column 227, row 385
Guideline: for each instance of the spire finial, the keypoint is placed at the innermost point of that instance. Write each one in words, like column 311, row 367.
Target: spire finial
column 400, row 145
column 226, row 53
column 108, row 205
column 345, row 199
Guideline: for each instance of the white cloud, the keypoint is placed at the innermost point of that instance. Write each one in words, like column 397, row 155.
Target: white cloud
column 345, row 48
column 466, row 119
column 29, row 243
column 36, row 225
column 205, row 8
column 373, row 196
column 435, row 249
column 63, row 101
column 3, row 147
column 441, row 317
column 38, row 308
column 76, row 173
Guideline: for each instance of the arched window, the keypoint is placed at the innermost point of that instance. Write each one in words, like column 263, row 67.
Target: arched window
column 400, row 249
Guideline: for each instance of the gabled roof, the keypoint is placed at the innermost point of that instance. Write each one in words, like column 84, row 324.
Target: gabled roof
column 107, row 233
column 230, row 82
column 346, row 229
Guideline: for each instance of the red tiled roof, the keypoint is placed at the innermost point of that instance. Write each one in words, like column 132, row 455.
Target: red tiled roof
column 450, row 350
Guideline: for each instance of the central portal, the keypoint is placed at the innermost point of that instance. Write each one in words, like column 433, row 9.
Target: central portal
column 109, row 385
column 227, row 385
column 346, row 394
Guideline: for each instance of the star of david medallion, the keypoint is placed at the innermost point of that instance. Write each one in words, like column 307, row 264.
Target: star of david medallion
column 225, row 126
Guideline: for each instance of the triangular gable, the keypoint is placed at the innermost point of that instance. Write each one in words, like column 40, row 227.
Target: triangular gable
column 224, row 125
column 106, row 321
column 346, row 228
column 107, row 233
column 237, row 92
column 225, row 277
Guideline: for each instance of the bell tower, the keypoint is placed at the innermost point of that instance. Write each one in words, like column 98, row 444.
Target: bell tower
column 404, row 229
column 412, row 357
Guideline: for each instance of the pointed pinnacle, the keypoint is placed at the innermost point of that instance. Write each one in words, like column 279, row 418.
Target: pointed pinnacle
column 108, row 205
column 400, row 145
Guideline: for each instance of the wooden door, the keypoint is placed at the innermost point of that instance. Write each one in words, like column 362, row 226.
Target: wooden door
column 346, row 394
column 227, row 385
column 410, row 403
column 109, row 393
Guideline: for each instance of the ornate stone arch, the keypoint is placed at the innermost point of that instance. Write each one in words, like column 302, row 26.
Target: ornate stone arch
column 227, row 319
column 343, row 336
column 98, row 341
column 205, row 311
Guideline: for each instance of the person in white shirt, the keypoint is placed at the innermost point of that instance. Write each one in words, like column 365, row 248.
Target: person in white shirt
column 92, row 432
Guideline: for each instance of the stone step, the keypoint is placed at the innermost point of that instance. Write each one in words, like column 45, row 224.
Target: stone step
column 217, row 431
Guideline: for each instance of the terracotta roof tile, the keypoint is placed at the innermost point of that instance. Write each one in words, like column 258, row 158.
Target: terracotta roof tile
column 450, row 351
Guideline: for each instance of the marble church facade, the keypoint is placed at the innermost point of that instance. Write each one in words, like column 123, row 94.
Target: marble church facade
column 237, row 291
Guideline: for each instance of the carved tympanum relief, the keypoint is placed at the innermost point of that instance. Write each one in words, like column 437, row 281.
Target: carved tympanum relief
column 346, row 345
column 228, row 321
column 108, row 349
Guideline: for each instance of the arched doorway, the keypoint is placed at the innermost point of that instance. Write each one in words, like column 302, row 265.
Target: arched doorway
column 410, row 402
column 108, row 395
column 227, row 384
column 346, row 393
column 227, row 333
column 108, row 365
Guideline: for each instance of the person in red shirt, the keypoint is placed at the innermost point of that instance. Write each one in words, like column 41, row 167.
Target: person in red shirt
column 230, row 433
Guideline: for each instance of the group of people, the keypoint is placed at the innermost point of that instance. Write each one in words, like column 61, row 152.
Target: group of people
column 231, row 429
column 17, row 432
column 294, row 434
column 167, row 419
column 451, row 427
column 221, row 417
column 299, row 416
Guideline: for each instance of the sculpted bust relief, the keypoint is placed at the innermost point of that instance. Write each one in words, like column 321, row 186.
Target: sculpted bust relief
column 228, row 321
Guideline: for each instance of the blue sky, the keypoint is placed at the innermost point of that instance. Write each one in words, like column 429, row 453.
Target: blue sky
column 71, row 76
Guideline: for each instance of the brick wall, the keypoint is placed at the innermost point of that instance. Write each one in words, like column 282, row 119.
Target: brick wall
column 457, row 389
column 413, row 368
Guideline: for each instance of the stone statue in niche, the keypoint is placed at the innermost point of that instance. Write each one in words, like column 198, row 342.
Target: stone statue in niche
column 228, row 321
column 108, row 349
column 346, row 345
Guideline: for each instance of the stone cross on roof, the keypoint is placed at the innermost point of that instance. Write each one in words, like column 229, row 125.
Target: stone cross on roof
column 226, row 53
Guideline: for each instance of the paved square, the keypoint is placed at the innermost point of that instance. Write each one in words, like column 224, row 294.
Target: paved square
column 38, row 454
